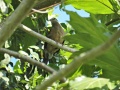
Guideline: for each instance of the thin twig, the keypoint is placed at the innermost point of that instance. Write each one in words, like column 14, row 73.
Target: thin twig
column 30, row 60
column 112, row 21
column 41, row 9
column 38, row 11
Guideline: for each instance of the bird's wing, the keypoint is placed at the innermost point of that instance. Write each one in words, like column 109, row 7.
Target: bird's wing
column 56, row 33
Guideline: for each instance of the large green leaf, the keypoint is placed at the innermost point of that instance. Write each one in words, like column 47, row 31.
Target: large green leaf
column 83, row 83
column 92, row 6
column 90, row 33
column 110, row 64
column 21, row 39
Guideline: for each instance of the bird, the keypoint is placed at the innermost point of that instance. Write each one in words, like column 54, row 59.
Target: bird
column 56, row 33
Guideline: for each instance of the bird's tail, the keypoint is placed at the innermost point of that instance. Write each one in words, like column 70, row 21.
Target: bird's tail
column 45, row 57
column 45, row 60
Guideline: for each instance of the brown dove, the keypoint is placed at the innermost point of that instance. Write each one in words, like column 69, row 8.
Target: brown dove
column 56, row 33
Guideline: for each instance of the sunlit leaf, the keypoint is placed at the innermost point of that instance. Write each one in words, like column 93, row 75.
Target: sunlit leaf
column 82, row 83
column 3, row 7
column 8, row 1
column 17, row 68
column 5, row 61
column 86, row 30
column 34, row 54
column 92, row 6
column 89, row 33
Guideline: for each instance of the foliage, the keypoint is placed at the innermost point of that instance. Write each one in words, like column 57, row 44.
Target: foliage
column 83, row 34
column 90, row 83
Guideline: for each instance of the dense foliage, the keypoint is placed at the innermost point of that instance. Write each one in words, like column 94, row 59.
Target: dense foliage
column 82, row 33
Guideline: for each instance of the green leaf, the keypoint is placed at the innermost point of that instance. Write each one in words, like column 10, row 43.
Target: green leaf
column 34, row 54
column 34, row 47
column 28, row 22
column 90, row 33
column 86, row 30
column 4, row 80
column 92, row 6
column 109, row 62
column 3, row 7
column 78, row 39
column 23, row 53
column 54, row 66
column 28, row 40
column 8, row 1
column 88, row 70
column 82, row 83
column 21, row 40
column 5, row 61
column 17, row 68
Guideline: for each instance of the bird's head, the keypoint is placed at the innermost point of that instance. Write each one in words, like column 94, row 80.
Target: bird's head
column 53, row 21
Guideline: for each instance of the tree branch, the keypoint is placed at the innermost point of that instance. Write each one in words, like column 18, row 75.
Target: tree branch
column 30, row 60
column 45, row 4
column 14, row 20
column 112, row 21
column 45, row 39
column 81, row 59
